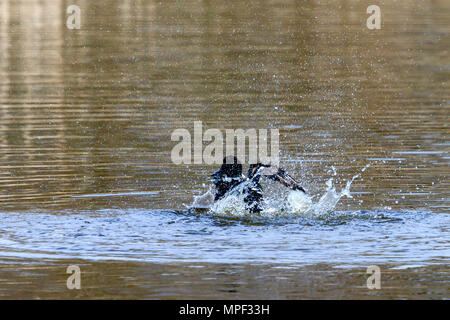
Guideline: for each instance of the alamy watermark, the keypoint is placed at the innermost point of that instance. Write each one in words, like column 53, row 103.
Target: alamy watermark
column 189, row 150
column 374, row 20
column 73, row 281
column 73, row 20
column 374, row 281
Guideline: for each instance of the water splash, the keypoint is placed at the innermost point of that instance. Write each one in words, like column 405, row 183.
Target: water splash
column 233, row 204
column 328, row 201
column 286, row 204
column 204, row 200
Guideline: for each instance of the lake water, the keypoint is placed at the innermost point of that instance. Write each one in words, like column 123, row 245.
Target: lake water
column 85, row 147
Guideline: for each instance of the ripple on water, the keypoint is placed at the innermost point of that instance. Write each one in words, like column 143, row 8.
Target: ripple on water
column 342, row 238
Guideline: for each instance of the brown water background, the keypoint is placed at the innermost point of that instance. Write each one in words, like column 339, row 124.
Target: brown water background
column 90, row 112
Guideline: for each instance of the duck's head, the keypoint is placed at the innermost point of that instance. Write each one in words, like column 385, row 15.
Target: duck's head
column 231, row 168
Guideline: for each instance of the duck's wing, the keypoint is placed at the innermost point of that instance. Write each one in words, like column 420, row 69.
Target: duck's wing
column 280, row 175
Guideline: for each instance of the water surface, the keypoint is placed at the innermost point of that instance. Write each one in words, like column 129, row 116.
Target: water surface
column 86, row 176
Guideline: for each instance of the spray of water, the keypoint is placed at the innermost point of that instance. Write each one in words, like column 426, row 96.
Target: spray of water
column 291, row 204
column 203, row 201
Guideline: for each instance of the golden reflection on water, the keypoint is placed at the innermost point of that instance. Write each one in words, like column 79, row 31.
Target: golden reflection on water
column 91, row 111
column 130, row 280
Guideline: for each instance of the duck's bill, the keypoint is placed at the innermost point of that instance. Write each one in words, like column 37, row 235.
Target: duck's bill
column 280, row 175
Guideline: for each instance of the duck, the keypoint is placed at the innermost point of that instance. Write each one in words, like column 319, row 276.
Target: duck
column 229, row 178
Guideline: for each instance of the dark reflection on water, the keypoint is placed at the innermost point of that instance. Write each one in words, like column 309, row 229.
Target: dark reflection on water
column 90, row 112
